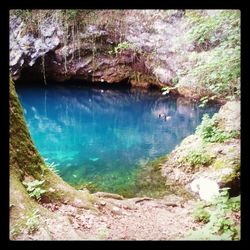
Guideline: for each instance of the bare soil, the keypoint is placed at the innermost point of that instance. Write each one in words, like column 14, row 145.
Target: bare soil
column 112, row 219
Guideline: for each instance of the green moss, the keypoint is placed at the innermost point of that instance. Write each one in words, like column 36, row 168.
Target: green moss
column 219, row 163
column 23, row 155
column 90, row 198
column 232, row 177
column 150, row 182
column 92, row 187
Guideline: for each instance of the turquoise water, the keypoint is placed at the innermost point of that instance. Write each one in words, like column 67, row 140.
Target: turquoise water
column 102, row 135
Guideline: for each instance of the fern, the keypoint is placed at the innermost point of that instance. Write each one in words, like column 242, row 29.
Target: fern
column 34, row 189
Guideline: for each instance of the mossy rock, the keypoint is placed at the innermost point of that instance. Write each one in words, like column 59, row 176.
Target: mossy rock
column 219, row 161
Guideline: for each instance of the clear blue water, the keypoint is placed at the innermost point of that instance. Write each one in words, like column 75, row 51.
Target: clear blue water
column 102, row 135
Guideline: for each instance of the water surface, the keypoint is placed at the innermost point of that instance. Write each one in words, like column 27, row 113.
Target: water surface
column 102, row 135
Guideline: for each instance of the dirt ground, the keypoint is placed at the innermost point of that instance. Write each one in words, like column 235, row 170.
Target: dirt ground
column 113, row 219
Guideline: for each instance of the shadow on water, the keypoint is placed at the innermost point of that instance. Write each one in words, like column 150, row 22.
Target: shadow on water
column 99, row 137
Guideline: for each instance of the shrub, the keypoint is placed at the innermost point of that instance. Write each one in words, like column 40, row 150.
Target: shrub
column 213, row 27
column 209, row 131
column 201, row 214
column 218, row 69
column 219, row 220
column 197, row 157
column 204, row 28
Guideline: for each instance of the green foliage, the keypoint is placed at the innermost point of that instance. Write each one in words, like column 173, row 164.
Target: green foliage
column 167, row 89
column 220, row 71
column 205, row 99
column 219, row 163
column 71, row 14
column 34, row 188
column 219, row 34
column 32, row 222
column 23, row 14
column 224, row 202
column 120, row 47
column 201, row 214
column 15, row 230
column 219, row 223
column 197, row 158
column 217, row 27
column 175, row 80
column 92, row 187
column 209, row 131
column 235, row 134
column 220, row 220
column 52, row 166
column 203, row 29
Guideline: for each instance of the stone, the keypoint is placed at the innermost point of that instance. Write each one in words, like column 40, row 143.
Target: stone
column 52, row 190
column 26, row 49
column 148, row 32
column 103, row 203
column 206, row 188
column 108, row 195
column 116, row 210
column 47, row 30
column 79, row 203
column 229, row 117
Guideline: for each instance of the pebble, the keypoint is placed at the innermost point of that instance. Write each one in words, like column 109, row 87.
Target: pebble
column 103, row 203
column 116, row 210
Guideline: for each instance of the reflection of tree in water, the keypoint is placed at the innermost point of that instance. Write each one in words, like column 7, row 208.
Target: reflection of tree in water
column 127, row 112
column 97, row 131
column 184, row 116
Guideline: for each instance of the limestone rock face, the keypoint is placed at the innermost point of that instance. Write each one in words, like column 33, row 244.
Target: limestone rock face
column 142, row 47
column 88, row 53
column 229, row 116
column 25, row 48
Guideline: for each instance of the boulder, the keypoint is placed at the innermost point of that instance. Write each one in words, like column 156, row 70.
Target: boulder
column 206, row 188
